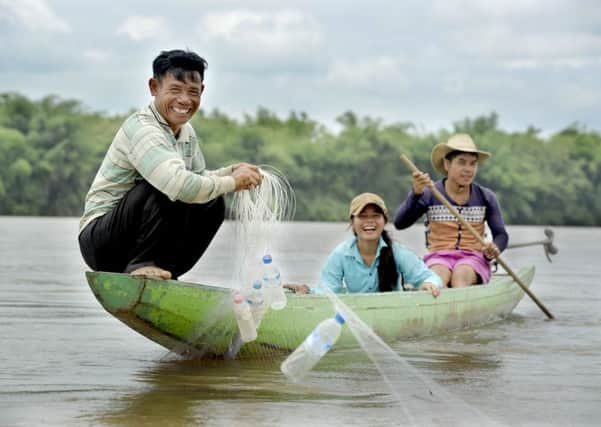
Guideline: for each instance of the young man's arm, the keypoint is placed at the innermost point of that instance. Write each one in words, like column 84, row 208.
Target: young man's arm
column 494, row 219
column 410, row 210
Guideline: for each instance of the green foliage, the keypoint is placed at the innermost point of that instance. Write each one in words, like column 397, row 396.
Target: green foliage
column 51, row 149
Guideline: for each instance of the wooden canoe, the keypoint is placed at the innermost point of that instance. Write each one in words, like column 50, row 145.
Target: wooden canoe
column 197, row 320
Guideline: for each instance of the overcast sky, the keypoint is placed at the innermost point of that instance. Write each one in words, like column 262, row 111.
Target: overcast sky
column 534, row 62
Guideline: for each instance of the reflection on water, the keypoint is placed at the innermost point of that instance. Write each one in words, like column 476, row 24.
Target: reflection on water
column 178, row 390
column 66, row 362
column 188, row 392
column 191, row 392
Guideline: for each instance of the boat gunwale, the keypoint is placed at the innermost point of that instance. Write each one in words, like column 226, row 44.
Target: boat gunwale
column 502, row 287
column 498, row 280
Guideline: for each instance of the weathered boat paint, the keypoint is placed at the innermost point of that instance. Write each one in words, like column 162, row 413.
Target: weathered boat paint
column 195, row 318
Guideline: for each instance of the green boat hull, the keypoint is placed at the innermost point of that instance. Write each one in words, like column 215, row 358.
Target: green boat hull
column 197, row 320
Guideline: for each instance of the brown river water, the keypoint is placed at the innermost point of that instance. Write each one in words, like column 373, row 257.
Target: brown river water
column 64, row 361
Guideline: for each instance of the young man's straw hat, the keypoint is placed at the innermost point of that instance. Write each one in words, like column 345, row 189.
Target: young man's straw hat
column 458, row 142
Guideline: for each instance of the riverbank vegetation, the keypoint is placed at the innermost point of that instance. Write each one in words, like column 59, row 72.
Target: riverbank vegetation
column 51, row 148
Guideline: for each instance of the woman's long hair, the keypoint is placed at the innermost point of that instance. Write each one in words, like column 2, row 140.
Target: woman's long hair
column 388, row 276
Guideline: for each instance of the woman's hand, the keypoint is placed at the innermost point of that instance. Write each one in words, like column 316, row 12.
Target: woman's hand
column 297, row 289
column 430, row 287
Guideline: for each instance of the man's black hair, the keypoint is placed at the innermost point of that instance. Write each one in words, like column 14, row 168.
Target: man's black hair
column 452, row 154
column 181, row 64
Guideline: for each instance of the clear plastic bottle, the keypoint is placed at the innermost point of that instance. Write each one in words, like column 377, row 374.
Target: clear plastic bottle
column 244, row 317
column 272, row 284
column 256, row 301
column 313, row 348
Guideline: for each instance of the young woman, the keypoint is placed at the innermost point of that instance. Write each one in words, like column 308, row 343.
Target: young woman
column 370, row 261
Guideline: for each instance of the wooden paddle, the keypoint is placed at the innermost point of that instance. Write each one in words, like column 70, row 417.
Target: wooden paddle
column 471, row 229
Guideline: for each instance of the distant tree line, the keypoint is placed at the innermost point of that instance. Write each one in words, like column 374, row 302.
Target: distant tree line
column 51, row 149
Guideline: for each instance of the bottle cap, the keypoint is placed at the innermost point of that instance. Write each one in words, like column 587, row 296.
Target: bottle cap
column 267, row 259
column 257, row 285
column 339, row 318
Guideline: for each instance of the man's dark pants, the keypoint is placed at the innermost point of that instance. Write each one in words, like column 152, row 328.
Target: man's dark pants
column 146, row 228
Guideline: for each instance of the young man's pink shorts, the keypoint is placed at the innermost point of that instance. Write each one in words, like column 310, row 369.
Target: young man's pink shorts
column 451, row 259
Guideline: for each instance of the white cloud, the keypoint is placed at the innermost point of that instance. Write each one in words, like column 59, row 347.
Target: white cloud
column 96, row 55
column 467, row 11
column 514, row 49
column 264, row 32
column 368, row 72
column 425, row 62
column 526, row 34
column 453, row 85
column 576, row 96
column 140, row 28
column 35, row 15
column 531, row 64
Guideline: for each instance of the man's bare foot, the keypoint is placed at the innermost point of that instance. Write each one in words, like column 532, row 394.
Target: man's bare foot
column 297, row 289
column 152, row 271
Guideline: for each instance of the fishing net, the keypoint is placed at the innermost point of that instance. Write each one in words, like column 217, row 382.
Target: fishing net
column 422, row 401
column 256, row 214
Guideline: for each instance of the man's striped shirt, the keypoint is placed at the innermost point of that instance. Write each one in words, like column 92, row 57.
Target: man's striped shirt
column 146, row 148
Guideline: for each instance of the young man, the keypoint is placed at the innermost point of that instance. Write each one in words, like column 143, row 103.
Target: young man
column 153, row 207
column 454, row 253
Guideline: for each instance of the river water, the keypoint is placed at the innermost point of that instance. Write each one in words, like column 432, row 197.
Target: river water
column 64, row 361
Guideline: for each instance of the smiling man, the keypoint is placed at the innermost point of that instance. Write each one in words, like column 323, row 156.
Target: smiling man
column 153, row 207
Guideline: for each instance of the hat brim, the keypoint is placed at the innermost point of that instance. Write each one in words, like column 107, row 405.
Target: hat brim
column 362, row 200
column 440, row 151
column 362, row 206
